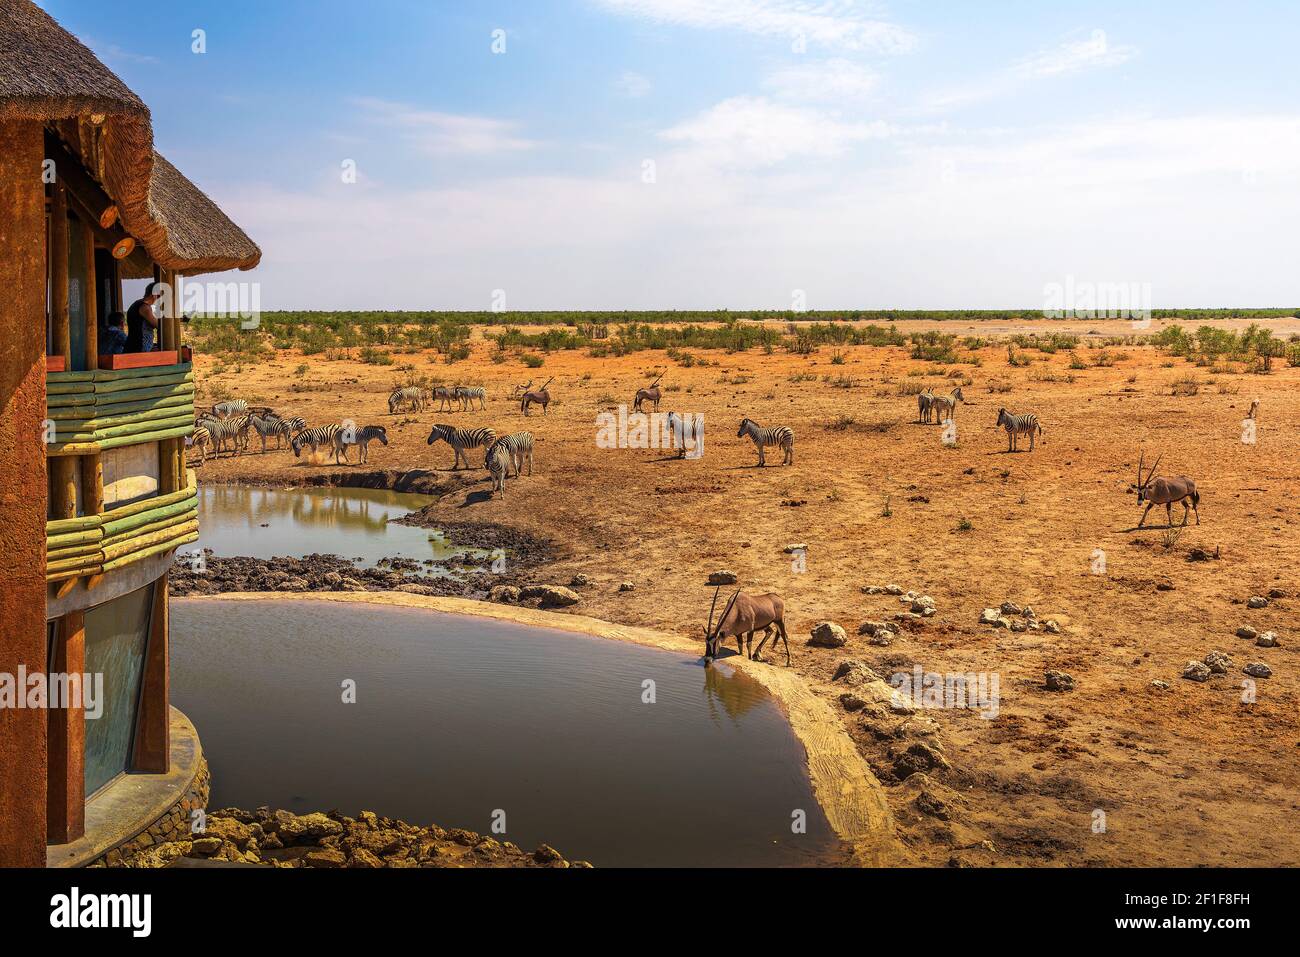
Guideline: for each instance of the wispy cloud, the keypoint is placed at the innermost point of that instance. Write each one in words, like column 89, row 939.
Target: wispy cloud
column 1072, row 56
column 444, row 134
column 841, row 24
column 112, row 53
column 823, row 80
column 632, row 84
column 753, row 131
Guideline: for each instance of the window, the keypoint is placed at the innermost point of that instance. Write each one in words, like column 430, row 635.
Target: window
column 117, row 637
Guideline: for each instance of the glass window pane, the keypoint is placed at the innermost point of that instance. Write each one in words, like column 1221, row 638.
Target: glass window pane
column 117, row 634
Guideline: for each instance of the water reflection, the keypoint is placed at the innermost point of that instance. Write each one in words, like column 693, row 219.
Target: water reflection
column 736, row 695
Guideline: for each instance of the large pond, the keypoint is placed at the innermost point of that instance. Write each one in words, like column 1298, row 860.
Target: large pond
column 458, row 718
column 354, row 523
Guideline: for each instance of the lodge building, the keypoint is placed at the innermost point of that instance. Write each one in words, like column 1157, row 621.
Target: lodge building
column 95, row 498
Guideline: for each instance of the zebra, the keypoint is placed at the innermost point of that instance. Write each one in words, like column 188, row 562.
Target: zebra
column 924, row 405
column 224, row 410
column 944, row 407
column 411, row 394
column 272, row 424
column 200, row 439
column 445, row 396
column 315, row 437
column 520, row 447
column 461, row 439
column 467, row 395
column 777, row 435
column 1026, row 424
column 686, row 435
column 234, row 430
column 497, row 462
column 359, row 437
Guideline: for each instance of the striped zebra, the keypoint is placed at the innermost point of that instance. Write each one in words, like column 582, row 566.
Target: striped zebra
column 315, row 437
column 924, row 406
column 444, row 395
column 233, row 430
column 361, row 438
column 467, row 395
column 461, row 439
column 411, row 395
column 1026, row 424
column 520, row 446
column 199, row 439
column 224, row 410
column 777, row 435
column 269, row 425
column 944, row 407
column 497, row 462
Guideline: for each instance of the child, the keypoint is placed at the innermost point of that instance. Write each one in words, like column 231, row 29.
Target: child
column 116, row 341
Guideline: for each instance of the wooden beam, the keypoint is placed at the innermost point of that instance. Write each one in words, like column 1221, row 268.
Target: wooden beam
column 151, row 751
column 91, row 298
column 87, row 198
column 65, row 805
column 92, row 484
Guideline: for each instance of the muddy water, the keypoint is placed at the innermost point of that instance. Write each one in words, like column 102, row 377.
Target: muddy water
column 458, row 718
column 354, row 523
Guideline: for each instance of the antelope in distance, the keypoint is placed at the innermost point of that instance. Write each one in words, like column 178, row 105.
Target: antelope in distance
column 1162, row 491
column 651, row 393
column 541, row 397
column 776, row 435
column 519, row 390
column 1026, row 424
column 744, row 615
column 944, row 407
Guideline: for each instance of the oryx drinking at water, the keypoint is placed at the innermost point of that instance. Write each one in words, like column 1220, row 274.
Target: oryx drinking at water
column 1163, row 491
column 744, row 615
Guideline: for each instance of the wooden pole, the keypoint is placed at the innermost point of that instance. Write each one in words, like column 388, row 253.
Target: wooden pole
column 65, row 802
column 63, row 469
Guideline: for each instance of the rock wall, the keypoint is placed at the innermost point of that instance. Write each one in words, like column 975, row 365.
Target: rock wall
column 173, row 826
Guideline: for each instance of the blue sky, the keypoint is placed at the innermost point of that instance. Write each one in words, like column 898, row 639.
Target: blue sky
column 731, row 153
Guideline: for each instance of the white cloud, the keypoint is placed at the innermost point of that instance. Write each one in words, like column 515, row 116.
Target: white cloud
column 842, row 24
column 1073, row 56
column 633, row 85
column 749, row 131
column 823, row 80
column 446, row 133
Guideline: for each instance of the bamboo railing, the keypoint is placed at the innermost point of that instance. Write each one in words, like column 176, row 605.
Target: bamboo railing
column 105, row 409
column 93, row 544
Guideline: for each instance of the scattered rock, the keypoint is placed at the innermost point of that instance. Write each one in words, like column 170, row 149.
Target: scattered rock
column 1267, row 639
column 722, row 577
column 206, row 845
column 1058, row 681
column 852, row 702
column 1218, row 662
column 1245, row 631
column 325, row 857
column 1196, row 671
column 1010, row 608
column 579, row 580
column 927, row 803
column 827, row 634
column 923, row 605
column 1162, row 685
column 854, row 671
column 989, row 616
column 918, row 757
column 893, row 590
column 504, row 594
column 874, row 628
column 1276, row 593
column 1257, row 669
column 550, row 596
column 1257, row 601
column 626, row 586
column 545, row 854
column 1051, row 627
column 799, row 547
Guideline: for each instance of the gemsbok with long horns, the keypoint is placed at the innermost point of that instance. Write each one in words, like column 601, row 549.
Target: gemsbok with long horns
column 1162, row 491
column 744, row 615
column 651, row 393
column 541, row 396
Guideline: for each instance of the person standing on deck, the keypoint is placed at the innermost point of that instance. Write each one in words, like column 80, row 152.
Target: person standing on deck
column 141, row 323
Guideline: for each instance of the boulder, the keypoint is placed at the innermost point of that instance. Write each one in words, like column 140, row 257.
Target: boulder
column 722, row 577
column 503, row 594
column 1010, row 608
column 1257, row 601
column 851, row 702
column 1247, row 632
column 362, row 858
column 579, row 580
column 326, row 857
column 1267, row 639
column 1196, row 671
column 1058, row 681
column 923, row 605
column 827, row 634
column 989, row 616
column 1050, row 626
column 626, row 586
column 305, row 828
column 1218, row 662
column 854, row 671
column 550, row 596
column 1257, row 669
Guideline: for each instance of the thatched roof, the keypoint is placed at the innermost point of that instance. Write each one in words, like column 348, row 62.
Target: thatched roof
column 47, row 74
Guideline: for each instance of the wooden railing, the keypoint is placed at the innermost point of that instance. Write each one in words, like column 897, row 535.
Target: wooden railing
column 94, row 544
column 105, row 409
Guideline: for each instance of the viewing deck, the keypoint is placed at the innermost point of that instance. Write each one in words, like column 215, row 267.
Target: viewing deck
column 105, row 409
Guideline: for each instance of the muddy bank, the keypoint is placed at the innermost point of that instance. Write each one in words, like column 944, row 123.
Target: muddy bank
column 276, row 838
column 415, row 481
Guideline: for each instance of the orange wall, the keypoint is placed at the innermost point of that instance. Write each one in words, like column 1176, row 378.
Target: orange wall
column 23, row 487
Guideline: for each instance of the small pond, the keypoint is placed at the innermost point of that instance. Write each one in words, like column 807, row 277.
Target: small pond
column 458, row 717
column 355, row 523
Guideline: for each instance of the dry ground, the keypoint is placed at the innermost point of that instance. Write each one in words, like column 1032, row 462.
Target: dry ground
column 1187, row 774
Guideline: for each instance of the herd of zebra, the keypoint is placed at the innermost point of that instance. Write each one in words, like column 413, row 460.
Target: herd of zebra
column 932, row 407
column 450, row 398
column 229, row 427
